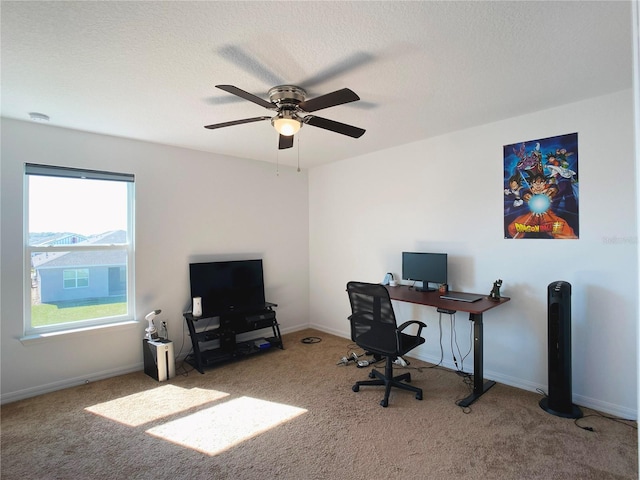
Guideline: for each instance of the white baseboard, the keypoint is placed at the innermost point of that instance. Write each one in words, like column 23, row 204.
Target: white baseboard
column 67, row 383
column 93, row 377
column 580, row 400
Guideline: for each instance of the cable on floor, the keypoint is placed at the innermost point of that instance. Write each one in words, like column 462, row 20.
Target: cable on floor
column 309, row 340
column 622, row 421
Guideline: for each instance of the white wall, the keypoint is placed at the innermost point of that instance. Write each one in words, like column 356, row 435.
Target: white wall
column 445, row 194
column 351, row 221
column 190, row 206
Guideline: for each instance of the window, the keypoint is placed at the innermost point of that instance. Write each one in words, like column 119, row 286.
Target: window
column 78, row 248
column 77, row 278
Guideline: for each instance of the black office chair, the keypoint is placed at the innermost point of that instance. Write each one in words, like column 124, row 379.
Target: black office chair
column 374, row 329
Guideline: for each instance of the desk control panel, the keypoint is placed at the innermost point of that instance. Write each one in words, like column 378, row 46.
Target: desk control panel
column 446, row 310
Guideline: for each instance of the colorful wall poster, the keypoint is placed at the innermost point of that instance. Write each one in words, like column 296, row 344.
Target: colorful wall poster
column 541, row 188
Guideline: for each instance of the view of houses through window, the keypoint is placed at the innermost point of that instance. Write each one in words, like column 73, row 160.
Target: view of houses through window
column 79, row 252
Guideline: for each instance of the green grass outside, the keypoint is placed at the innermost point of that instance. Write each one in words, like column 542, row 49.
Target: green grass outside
column 66, row 312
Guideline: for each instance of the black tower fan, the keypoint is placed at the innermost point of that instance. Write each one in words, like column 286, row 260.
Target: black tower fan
column 559, row 344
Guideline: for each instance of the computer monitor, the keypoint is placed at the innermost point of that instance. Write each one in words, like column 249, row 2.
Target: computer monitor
column 424, row 267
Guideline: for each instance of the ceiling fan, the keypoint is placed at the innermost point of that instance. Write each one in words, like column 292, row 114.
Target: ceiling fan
column 291, row 107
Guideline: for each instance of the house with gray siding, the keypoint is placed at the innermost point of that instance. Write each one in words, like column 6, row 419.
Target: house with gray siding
column 82, row 275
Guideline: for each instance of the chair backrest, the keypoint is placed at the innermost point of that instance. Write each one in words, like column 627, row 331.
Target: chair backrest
column 373, row 322
column 372, row 300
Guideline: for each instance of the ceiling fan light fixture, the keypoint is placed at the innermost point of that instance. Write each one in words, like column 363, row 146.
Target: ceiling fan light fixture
column 286, row 124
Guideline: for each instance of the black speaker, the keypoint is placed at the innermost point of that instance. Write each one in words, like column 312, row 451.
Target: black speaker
column 558, row 402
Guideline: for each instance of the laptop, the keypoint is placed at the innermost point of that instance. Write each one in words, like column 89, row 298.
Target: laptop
column 462, row 297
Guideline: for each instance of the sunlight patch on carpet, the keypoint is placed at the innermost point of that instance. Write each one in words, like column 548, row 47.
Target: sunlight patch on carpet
column 140, row 408
column 218, row 428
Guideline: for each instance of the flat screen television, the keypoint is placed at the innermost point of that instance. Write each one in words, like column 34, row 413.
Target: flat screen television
column 424, row 267
column 226, row 286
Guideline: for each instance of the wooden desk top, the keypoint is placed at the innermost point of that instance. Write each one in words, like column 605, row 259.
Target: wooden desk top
column 405, row 294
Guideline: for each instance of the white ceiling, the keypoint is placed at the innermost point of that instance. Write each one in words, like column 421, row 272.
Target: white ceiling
column 146, row 70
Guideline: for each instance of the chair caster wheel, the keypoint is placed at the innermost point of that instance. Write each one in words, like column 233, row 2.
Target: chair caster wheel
column 371, row 374
column 356, row 388
column 418, row 396
column 384, row 402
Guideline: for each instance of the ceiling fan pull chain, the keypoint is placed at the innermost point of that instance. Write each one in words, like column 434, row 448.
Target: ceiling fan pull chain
column 298, row 152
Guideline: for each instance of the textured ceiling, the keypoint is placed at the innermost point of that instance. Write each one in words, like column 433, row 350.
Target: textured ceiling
column 146, row 70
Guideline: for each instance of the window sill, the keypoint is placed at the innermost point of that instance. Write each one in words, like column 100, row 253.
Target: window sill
column 52, row 336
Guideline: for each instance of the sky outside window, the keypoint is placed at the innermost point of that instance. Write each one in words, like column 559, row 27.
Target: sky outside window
column 74, row 205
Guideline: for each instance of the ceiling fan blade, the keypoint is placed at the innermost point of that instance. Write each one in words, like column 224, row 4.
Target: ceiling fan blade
column 247, row 96
column 334, row 126
column 236, row 122
column 352, row 62
column 250, row 64
column 329, row 100
column 285, row 142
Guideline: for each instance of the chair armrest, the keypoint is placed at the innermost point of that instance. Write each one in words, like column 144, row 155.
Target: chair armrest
column 420, row 324
column 399, row 333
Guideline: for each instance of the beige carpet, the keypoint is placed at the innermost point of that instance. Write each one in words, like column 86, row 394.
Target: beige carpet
column 291, row 414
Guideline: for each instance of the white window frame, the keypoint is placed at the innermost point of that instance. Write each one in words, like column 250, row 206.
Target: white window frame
column 66, row 172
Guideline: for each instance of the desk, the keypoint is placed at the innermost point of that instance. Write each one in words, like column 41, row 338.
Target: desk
column 403, row 293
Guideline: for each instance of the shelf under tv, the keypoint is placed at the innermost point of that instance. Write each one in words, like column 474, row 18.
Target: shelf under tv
column 232, row 323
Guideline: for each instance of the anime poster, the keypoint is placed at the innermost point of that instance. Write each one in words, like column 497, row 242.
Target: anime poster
column 541, row 188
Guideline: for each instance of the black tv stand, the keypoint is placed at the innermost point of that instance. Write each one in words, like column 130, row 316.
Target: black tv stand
column 231, row 323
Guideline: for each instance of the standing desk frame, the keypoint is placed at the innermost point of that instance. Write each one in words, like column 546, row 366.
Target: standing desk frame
column 404, row 293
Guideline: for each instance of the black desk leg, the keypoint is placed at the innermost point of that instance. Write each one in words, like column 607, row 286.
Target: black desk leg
column 479, row 385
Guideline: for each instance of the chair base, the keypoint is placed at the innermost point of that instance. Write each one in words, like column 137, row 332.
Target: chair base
column 388, row 380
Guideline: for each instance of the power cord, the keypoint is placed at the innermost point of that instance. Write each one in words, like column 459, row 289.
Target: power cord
column 633, row 424
column 440, row 334
column 177, row 356
column 368, row 363
column 467, row 379
column 353, row 357
column 454, row 340
column 183, row 367
column 622, row 421
column 190, row 353
column 452, row 336
column 375, row 363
